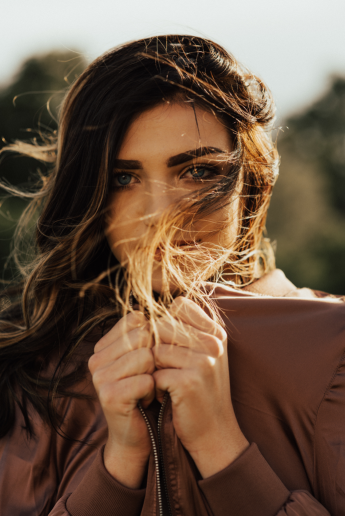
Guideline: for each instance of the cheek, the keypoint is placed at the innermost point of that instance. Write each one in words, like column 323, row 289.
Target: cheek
column 114, row 230
column 121, row 226
column 234, row 219
column 225, row 224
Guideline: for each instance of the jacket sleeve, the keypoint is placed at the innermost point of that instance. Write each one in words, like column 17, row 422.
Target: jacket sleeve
column 99, row 493
column 84, row 486
column 249, row 487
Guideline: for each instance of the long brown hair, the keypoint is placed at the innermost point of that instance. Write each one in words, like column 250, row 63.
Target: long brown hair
column 71, row 282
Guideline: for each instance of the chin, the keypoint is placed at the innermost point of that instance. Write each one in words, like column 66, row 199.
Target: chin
column 157, row 284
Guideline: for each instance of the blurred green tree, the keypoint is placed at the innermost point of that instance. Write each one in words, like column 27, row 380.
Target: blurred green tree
column 28, row 109
column 307, row 212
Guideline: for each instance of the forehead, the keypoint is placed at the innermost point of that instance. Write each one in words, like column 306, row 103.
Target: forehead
column 169, row 129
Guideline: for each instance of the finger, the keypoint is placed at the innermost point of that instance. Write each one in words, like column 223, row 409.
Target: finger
column 141, row 388
column 148, row 398
column 173, row 357
column 127, row 392
column 167, row 380
column 190, row 313
column 128, row 323
column 135, row 339
column 181, row 334
column 139, row 361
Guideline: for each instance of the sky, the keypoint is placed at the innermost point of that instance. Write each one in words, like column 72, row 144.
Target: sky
column 293, row 45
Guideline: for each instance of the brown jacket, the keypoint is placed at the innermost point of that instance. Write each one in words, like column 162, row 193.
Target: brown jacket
column 287, row 371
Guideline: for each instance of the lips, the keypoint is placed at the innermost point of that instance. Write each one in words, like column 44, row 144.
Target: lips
column 182, row 243
column 176, row 243
column 158, row 254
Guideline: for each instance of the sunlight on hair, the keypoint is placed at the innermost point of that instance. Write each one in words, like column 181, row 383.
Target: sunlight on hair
column 68, row 282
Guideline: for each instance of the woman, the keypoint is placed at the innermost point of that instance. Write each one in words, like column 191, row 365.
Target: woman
column 150, row 267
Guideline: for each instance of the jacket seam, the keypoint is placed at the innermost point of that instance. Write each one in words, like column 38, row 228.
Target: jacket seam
column 267, row 413
column 69, row 514
column 327, row 389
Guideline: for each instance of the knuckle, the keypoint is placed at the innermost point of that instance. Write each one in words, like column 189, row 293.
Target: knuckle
column 144, row 337
column 148, row 382
column 222, row 333
column 93, row 363
column 98, row 378
column 181, row 301
column 146, row 357
column 107, row 397
column 99, row 345
column 215, row 346
column 126, row 341
column 136, row 317
column 156, row 351
column 178, row 303
column 159, row 352
column 203, row 362
column 205, row 366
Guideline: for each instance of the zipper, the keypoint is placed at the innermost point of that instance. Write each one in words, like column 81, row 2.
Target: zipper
column 158, row 456
column 160, row 448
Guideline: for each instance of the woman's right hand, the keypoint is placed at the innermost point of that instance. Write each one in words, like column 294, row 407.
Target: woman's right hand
column 121, row 368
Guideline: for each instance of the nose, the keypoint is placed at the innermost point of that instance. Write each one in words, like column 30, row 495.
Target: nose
column 159, row 196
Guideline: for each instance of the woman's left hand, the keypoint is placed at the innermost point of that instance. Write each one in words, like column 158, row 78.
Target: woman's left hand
column 192, row 365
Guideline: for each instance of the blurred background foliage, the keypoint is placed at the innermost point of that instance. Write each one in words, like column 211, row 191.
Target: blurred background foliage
column 29, row 108
column 307, row 213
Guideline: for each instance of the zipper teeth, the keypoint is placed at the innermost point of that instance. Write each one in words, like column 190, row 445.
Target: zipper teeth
column 156, row 458
column 160, row 420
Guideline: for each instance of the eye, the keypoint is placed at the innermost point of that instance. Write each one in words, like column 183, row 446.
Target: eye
column 200, row 172
column 122, row 179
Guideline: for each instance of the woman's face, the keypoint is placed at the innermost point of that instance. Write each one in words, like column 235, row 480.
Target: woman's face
column 167, row 152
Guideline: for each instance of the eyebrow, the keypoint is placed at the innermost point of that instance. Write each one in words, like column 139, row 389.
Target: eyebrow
column 179, row 159
column 189, row 155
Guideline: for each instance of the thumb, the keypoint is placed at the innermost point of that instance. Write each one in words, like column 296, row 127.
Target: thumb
column 164, row 381
column 148, row 398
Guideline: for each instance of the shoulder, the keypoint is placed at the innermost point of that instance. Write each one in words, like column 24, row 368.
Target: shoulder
column 290, row 344
column 275, row 285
